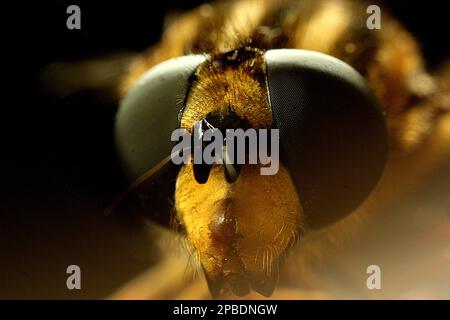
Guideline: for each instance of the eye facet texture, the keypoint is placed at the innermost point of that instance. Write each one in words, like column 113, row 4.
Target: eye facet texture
column 332, row 132
column 149, row 114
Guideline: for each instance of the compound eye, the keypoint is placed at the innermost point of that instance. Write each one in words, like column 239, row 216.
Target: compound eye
column 149, row 114
column 332, row 131
column 145, row 121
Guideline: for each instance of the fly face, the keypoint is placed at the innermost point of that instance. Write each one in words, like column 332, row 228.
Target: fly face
column 239, row 230
column 242, row 227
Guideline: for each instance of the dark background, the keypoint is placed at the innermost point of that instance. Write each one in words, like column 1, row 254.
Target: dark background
column 58, row 164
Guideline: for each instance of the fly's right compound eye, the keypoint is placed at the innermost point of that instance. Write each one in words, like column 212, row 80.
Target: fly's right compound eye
column 149, row 114
column 146, row 119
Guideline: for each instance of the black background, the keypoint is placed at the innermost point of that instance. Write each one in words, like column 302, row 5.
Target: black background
column 58, row 165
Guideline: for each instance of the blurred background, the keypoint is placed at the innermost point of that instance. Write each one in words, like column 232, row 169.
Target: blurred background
column 58, row 164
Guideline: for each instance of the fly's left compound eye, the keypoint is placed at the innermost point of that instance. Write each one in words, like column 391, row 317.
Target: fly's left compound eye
column 332, row 131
